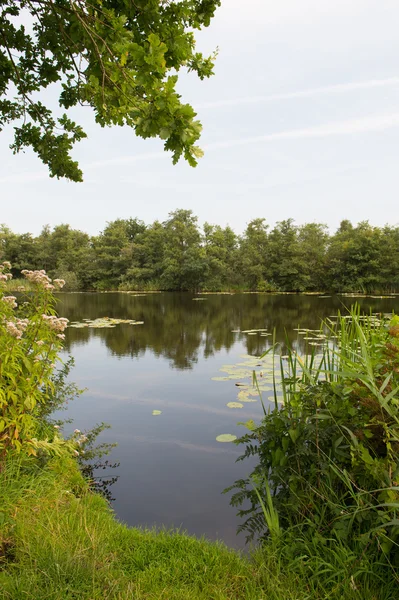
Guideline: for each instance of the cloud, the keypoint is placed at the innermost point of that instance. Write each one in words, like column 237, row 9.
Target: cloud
column 120, row 160
column 328, row 89
column 25, row 177
column 369, row 124
column 335, row 128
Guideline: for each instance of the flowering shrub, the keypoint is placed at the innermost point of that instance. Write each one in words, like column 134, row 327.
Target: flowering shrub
column 31, row 336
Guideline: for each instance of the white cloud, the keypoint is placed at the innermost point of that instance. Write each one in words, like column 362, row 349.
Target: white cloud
column 328, row 89
column 335, row 128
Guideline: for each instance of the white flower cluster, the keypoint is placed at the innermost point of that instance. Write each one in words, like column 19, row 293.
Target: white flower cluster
column 42, row 279
column 5, row 276
column 59, row 283
column 16, row 328
column 11, row 300
column 56, row 323
column 81, row 438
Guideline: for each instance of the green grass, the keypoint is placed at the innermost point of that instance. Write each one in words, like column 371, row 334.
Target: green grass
column 59, row 541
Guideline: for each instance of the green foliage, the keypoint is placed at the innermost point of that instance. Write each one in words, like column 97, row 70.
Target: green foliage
column 120, row 58
column 178, row 255
column 30, row 339
column 60, row 541
column 331, row 456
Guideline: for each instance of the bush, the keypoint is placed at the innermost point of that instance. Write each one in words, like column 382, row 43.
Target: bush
column 31, row 336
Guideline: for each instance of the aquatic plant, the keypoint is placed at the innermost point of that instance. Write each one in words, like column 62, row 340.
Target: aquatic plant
column 330, row 454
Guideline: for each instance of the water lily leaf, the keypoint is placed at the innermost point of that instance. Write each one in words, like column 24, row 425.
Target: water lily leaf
column 226, row 437
column 156, row 412
column 248, row 399
column 235, row 405
column 220, row 378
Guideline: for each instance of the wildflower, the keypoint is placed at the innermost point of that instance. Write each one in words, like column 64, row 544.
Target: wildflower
column 40, row 342
column 38, row 277
column 7, row 264
column 55, row 323
column 11, row 300
column 3, row 277
column 13, row 330
column 77, row 431
column 56, row 426
column 59, row 283
column 61, row 336
column 76, row 453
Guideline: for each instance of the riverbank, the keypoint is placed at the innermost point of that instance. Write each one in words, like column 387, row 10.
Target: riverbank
column 59, row 541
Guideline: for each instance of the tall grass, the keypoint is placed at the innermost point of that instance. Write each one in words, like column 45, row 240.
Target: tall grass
column 331, row 457
column 59, row 541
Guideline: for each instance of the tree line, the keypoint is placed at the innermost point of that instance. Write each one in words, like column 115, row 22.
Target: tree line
column 179, row 255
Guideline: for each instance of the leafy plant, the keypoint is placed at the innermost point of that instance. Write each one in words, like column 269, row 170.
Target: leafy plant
column 30, row 339
column 330, row 454
column 120, row 58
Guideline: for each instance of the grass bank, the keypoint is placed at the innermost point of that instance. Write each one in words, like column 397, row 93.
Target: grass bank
column 59, row 540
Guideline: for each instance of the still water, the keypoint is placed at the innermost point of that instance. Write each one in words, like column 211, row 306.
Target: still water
column 172, row 470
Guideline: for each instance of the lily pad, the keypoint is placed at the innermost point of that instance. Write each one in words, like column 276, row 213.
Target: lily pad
column 226, row 437
column 103, row 323
column 220, row 378
column 156, row 412
column 235, row 405
column 248, row 399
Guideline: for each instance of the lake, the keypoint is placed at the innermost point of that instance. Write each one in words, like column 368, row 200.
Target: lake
column 172, row 470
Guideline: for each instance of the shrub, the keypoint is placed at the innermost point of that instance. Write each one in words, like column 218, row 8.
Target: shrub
column 31, row 336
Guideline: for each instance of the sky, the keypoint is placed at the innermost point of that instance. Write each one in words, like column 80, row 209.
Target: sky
column 301, row 121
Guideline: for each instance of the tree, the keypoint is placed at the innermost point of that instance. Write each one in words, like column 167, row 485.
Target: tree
column 113, row 251
column 116, row 56
column 147, row 258
column 285, row 261
column 220, row 249
column 183, row 260
column 18, row 248
column 254, row 250
column 313, row 240
column 354, row 258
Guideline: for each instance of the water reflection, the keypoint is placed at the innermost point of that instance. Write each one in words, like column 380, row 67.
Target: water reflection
column 182, row 330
